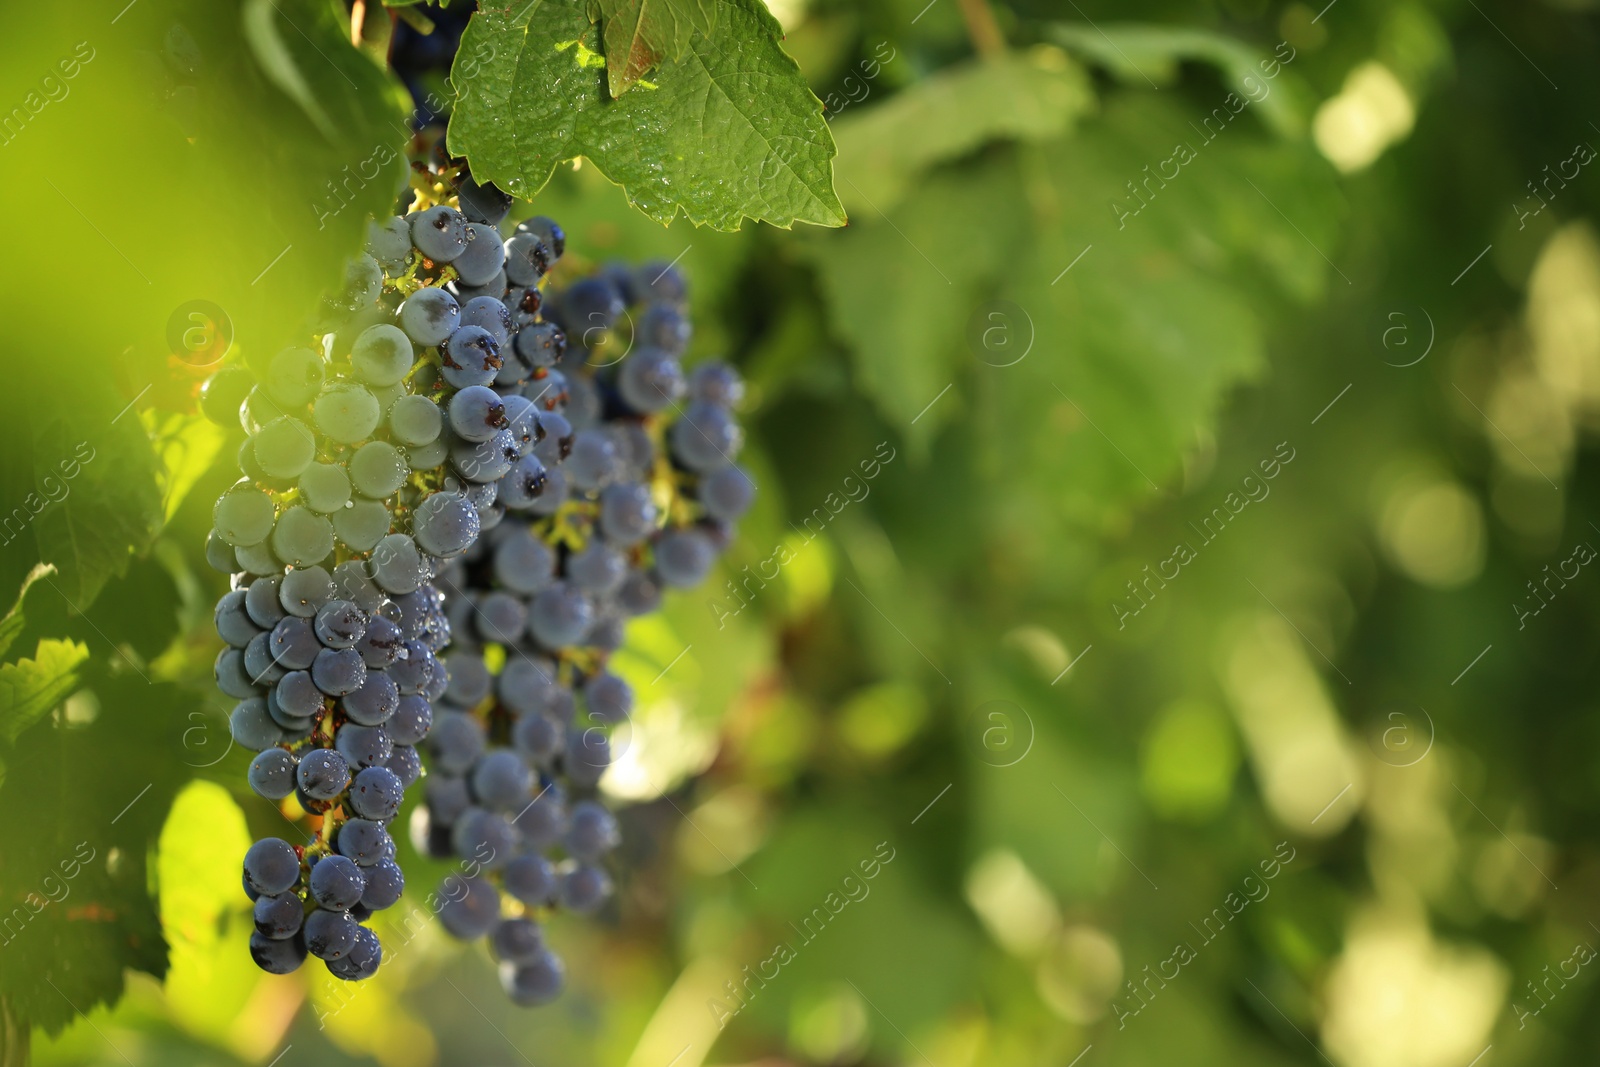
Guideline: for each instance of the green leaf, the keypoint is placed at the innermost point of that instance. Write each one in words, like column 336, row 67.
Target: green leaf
column 100, row 501
column 16, row 620
column 641, row 33
column 730, row 131
column 1020, row 96
column 1142, row 55
column 79, row 814
column 29, row 688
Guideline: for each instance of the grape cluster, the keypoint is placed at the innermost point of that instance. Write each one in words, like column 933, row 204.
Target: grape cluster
column 640, row 494
column 373, row 455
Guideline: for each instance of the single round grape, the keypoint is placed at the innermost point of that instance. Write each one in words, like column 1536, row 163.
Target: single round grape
column 257, row 559
column 305, row 590
column 522, row 419
column 380, row 645
column 587, row 757
column 477, row 413
column 547, row 230
column 554, row 494
column 639, row 593
column 330, row 935
column 324, row 488
column 272, row 775
column 302, row 537
column 252, row 727
column 323, row 773
column 364, row 746
column 271, row 866
column 501, row 781
column 389, row 241
column 531, row 879
column 483, row 203
column 396, row 564
column 523, row 484
column 279, row 917
column 406, row 765
column 683, row 557
column 257, row 410
column 538, row 982
column 538, row 738
column 456, row 741
column 555, row 443
column 374, row 699
column 470, row 906
column 583, row 406
column 293, row 644
column 376, row 794
column 500, row 618
column 627, row 513
column 445, row 524
column 446, row 798
column 469, row 679
column 527, row 259
column 484, row 257
column 295, row 376
column 593, row 458
column 636, row 452
column 430, row 315
column 347, row 413
column 440, row 233
column 363, row 959
column 705, row 438
column 523, row 682
column 294, row 727
column 377, row 470
column 363, row 281
column 608, row 698
column 260, row 665
column 727, row 493
column 219, row 554
column 222, row 394
column 597, row 570
column 716, row 383
column 415, row 420
column 284, row 447
column 382, row 355
column 362, row 840
column 490, row 314
column 411, row 720
column 362, row 524
column 410, row 610
column 543, row 821
column 471, row 356
column 585, row 888
column 338, row 671
column 298, row 695
column 559, row 615
column 589, row 308
column 233, row 677
column 234, row 624
column 385, row 883
column 243, row 516
column 540, row 344
column 649, row 380
column 486, row 461
column 414, row 669
column 277, row 957
column 662, row 283
column 523, row 563
column 593, row 831
column 340, row 624
column 665, row 327
column 336, row 883
column 484, row 836
column 516, row 940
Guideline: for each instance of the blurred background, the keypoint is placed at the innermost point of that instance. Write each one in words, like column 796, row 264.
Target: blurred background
column 1138, row 650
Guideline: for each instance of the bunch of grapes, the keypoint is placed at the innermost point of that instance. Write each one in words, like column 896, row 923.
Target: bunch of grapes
column 641, row 492
column 370, row 459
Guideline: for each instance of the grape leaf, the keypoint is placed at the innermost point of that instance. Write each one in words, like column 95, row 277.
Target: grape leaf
column 729, row 131
column 75, row 903
column 641, row 33
column 16, row 620
column 1019, row 96
column 29, row 688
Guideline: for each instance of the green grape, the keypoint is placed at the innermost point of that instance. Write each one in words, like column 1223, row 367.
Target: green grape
column 386, row 396
column 361, row 525
column 378, row 470
column 295, row 376
column 382, row 355
column 285, row 447
column 325, row 487
column 243, row 515
column 428, row 456
column 302, row 537
column 415, row 420
column 347, row 413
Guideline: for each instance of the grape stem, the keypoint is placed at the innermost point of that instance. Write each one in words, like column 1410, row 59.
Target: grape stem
column 982, row 28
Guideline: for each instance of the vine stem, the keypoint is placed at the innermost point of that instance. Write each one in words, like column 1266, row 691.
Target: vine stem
column 982, row 28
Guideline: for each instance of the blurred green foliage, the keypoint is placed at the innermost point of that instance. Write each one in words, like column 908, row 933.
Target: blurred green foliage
column 1019, row 603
